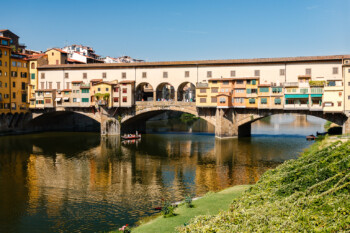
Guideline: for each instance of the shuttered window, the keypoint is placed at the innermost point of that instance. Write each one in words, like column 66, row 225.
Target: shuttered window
column 264, row 89
column 263, row 100
column 252, row 101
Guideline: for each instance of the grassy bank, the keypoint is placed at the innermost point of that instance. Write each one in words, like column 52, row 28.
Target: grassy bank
column 212, row 203
column 310, row 194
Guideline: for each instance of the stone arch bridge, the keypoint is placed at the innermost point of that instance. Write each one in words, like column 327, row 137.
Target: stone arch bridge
column 228, row 122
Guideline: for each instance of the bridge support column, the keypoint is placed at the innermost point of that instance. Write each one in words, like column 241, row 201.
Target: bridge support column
column 109, row 126
column 154, row 96
column 346, row 126
column 226, row 126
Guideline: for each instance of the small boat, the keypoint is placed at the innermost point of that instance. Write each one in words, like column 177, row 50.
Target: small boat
column 131, row 136
column 311, row 137
column 321, row 134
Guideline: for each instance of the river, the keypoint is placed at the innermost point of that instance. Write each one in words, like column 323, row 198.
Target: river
column 80, row 182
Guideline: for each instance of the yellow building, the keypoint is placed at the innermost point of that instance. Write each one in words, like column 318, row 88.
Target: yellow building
column 34, row 61
column 56, row 56
column 264, row 96
column 252, row 92
column 5, row 52
column 101, row 93
column 19, row 80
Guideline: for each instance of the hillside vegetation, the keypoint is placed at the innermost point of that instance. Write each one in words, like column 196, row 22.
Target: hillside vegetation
column 310, row 194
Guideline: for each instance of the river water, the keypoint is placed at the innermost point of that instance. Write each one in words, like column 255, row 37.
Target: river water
column 80, row 182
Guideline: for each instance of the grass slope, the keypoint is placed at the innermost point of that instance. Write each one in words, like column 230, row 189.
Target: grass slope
column 310, row 194
column 211, row 203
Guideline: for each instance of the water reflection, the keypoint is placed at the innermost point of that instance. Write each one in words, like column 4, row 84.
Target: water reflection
column 81, row 182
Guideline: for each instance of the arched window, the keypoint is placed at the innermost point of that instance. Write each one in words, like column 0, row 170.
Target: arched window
column 33, row 65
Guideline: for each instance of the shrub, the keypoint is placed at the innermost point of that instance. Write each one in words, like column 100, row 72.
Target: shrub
column 188, row 201
column 168, row 210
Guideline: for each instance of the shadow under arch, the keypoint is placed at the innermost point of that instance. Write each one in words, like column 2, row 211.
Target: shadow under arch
column 67, row 121
column 144, row 92
column 186, row 92
column 138, row 122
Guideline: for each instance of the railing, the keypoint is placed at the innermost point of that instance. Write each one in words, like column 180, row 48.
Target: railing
column 199, row 85
column 165, row 103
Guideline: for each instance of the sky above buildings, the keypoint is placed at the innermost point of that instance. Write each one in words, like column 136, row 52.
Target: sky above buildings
column 158, row 30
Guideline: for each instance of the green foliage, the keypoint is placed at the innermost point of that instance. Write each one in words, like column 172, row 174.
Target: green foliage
column 327, row 125
column 98, row 95
column 168, row 210
column 188, row 201
column 106, row 96
column 188, row 118
column 316, row 83
column 310, row 194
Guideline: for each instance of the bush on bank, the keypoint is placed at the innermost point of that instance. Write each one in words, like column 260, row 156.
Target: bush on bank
column 309, row 194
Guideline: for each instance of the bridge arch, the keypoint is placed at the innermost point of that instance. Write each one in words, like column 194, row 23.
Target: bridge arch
column 165, row 91
column 144, row 92
column 65, row 121
column 186, row 92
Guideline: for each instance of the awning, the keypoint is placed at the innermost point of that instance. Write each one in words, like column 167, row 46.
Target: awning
column 66, row 98
column 296, row 96
column 58, row 99
column 316, row 95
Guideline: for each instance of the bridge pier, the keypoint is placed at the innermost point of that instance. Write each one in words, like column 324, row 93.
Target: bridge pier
column 346, row 126
column 109, row 126
column 226, row 125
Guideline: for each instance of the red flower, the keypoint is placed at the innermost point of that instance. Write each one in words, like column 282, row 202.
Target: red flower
column 126, row 224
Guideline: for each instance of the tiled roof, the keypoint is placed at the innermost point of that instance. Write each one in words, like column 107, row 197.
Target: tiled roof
column 127, row 81
column 77, row 81
column 57, row 49
column 72, row 60
column 232, row 79
column 96, row 80
column 204, row 62
column 67, row 90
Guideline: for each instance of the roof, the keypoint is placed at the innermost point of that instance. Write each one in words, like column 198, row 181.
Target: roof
column 73, row 60
column 84, row 87
column 3, row 37
column 45, row 90
column 57, row 49
column 67, row 90
column 202, row 62
column 96, row 80
column 233, row 79
column 304, row 76
column 126, row 81
column 264, row 85
column 77, row 81
column 36, row 56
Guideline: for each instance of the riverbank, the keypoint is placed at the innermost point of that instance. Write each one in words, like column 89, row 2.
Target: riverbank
column 310, row 193
column 211, row 203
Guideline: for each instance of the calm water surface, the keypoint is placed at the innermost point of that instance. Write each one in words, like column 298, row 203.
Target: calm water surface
column 80, row 182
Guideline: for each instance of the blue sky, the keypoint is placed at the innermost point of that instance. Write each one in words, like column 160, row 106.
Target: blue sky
column 184, row 29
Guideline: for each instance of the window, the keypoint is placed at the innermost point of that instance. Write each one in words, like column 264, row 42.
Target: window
column 331, row 83
column 335, row 70
column 263, row 100
column 348, row 97
column 239, row 90
column 144, row 74
column 348, row 83
column 5, row 61
column 58, row 85
column 115, row 89
column 42, row 75
column 209, row 74
column 222, row 100
column 125, row 90
column 116, row 99
column 74, row 100
column 239, row 82
column 14, row 95
column 225, row 82
column 203, row 90
column 340, row 93
column 107, row 89
column 0, row 63
column 104, row 75
column 13, row 84
column 282, row 72
column 0, row 84
column 85, row 90
column 308, row 71
column 47, row 101
column 348, row 70
column 85, row 100
column 233, row 73
column 124, row 75
column 98, row 89
column 304, row 90
column 253, row 82
column 13, row 106
column 0, row 73
column 276, row 90
column 84, row 75
column 5, row 42
column 256, row 72
column 252, row 101
column 165, row 74
column 278, row 101
column 339, row 103
column 14, row 63
column 125, row 99
column 202, row 100
column 50, row 85
column 214, row 82
column 213, row 90
column 66, row 75
column 67, row 84
column 42, row 85
column 23, row 86
column 19, row 64
column 214, row 99
column 32, row 76
column 316, row 90
column 32, row 65
column 187, row 74
column 264, row 89
column 239, row 100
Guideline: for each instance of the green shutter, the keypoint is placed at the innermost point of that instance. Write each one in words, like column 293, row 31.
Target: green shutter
column 277, row 101
column 264, row 89
column 249, row 91
column 33, row 76
column 252, row 101
column 85, row 91
column 263, row 100
column 254, row 82
column 85, row 100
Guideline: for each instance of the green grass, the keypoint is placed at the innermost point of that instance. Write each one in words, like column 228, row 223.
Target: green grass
column 212, row 203
column 310, row 194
